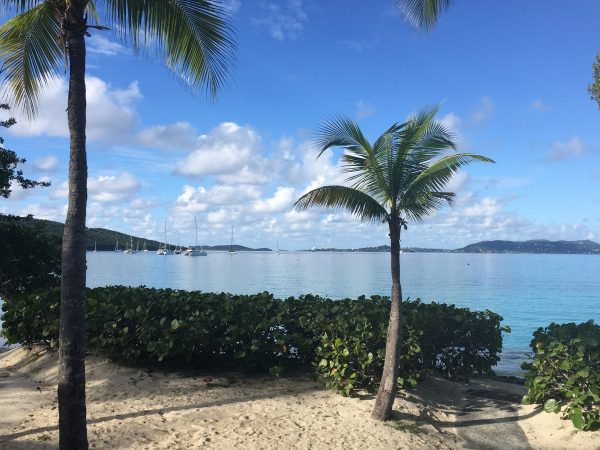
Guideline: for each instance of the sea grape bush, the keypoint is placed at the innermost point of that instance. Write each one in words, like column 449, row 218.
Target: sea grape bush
column 564, row 373
column 343, row 340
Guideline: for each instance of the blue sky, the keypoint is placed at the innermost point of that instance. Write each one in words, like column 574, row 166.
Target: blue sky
column 511, row 77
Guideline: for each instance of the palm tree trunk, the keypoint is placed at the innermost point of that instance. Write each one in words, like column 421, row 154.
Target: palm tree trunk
column 389, row 385
column 71, row 382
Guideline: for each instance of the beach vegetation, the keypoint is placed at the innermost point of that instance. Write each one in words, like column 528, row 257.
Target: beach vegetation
column 564, row 372
column 10, row 172
column 399, row 178
column 45, row 39
column 341, row 341
column 30, row 258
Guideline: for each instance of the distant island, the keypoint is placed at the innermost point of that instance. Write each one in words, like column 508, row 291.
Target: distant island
column 538, row 246
column 103, row 240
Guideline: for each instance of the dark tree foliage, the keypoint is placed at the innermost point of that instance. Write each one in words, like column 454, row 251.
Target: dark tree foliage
column 30, row 259
column 594, row 88
column 9, row 162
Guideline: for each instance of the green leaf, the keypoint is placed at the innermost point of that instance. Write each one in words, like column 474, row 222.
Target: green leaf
column 174, row 324
column 576, row 417
column 551, row 406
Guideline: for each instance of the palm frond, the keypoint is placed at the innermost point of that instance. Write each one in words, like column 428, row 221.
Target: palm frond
column 31, row 53
column 341, row 132
column 359, row 158
column 423, row 14
column 436, row 176
column 193, row 38
column 354, row 201
column 18, row 6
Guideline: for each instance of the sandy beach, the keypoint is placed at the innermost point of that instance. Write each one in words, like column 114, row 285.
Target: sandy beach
column 132, row 408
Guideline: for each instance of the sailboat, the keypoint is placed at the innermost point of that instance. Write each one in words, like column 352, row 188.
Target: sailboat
column 129, row 249
column 95, row 247
column 195, row 251
column 178, row 250
column 117, row 247
column 144, row 249
column 231, row 250
column 164, row 250
column 277, row 251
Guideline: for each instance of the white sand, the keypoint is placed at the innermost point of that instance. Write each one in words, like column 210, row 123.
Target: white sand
column 129, row 408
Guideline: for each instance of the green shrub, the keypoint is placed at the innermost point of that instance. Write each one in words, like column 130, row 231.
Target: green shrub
column 344, row 340
column 564, row 374
column 30, row 259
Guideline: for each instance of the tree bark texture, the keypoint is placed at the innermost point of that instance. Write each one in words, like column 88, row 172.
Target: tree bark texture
column 72, row 345
column 389, row 385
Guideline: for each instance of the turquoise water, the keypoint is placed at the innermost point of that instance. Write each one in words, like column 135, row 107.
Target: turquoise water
column 529, row 291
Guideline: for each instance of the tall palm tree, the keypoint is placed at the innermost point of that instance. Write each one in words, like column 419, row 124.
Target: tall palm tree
column 192, row 38
column 400, row 177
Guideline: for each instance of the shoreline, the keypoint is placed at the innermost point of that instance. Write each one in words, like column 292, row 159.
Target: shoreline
column 136, row 408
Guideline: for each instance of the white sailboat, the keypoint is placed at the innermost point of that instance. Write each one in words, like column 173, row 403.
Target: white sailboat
column 164, row 250
column 95, row 247
column 117, row 247
column 195, row 251
column 129, row 250
column 231, row 250
column 178, row 250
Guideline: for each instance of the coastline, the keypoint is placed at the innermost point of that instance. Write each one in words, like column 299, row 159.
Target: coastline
column 132, row 408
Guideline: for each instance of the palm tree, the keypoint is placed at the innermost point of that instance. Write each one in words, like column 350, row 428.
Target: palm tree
column 423, row 14
column 400, row 177
column 192, row 38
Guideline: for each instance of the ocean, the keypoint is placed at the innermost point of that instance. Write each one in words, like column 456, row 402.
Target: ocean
column 529, row 291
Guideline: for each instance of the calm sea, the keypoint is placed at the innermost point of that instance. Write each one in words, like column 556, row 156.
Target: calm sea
column 529, row 291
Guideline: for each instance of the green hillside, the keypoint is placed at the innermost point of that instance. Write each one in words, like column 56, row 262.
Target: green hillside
column 104, row 239
column 107, row 239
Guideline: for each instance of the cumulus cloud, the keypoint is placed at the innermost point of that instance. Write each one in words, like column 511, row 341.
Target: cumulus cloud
column 281, row 201
column 110, row 112
column 563, row 150
column 284, row 19
column 104, row 188
column 230, row 151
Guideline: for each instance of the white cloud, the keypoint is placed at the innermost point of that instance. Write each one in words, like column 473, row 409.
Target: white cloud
column 484, row 109
column 563, row 150
column 487, row 207
column 452, row 121
column 176, row 136
column 228, row 150
column 110, row 112
column 111, row 188
column 101, row 45
column 104, row 188
column 283, row 19
column 46, row 163
column 282, row 201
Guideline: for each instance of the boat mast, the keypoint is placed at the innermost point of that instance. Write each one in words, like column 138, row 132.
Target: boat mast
column 196, row 225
